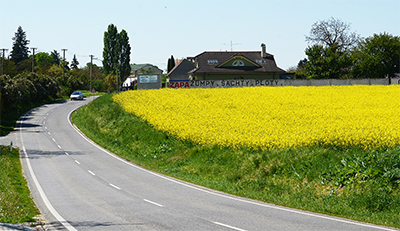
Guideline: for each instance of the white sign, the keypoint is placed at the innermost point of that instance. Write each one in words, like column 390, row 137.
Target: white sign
column 148, row 78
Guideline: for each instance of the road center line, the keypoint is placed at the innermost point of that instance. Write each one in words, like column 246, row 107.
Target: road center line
column 42, row 194
column 66, row 153
column 91, row 173
column 115, row 186
column 77, row 162
column 228, row 226
column 154, row 203
column 59, row 146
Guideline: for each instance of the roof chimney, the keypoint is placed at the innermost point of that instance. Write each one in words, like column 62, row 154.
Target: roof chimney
column 263, row 50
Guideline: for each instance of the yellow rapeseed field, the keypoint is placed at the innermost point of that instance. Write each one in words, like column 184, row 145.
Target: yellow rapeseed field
column 273, row 117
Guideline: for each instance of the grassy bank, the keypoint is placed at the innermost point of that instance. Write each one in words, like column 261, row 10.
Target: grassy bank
column 351, row 183
column 16, row 204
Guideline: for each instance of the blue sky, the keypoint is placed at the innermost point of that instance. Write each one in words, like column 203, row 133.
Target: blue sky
column 158, row 29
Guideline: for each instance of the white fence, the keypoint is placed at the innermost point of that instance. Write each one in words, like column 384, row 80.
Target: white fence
column 278, row 82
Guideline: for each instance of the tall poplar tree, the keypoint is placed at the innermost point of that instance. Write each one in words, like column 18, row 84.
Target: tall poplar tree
column 20, row 48
column 110, row 51
column 124, row 53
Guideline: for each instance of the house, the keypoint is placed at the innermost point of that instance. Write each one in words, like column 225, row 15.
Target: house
column 146, row 68
column 224, row 65
column 180, row 70
column 139, row 69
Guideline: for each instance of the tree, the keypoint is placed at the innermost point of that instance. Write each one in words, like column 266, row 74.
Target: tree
column 110, row 50
column 325, row 63
column 116, row 53
column 377, row 56
column 56, row 57
column 20, row 46
column 333, row 31
column 75, row 63
column 171, row 64
column 329, row 52
column 124, row 53
column 43, row 62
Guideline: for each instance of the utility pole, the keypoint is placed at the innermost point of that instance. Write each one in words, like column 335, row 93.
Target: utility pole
column 117, row 78
column 33, row 59
column 2, row 61
column 91, row 63
column 64, row 62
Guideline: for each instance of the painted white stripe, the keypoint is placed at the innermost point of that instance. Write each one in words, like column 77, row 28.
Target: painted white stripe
column 59, row 146
column 53, row 139
column 67, row 154
column 77, row 162
column 91, row 173
column 228, row 226
column 48, row 133
column 115, row 186
column 209, row 191
column 46, row 201
column 154, row 203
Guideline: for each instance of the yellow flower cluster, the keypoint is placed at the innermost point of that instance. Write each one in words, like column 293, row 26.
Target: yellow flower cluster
column 273, row 117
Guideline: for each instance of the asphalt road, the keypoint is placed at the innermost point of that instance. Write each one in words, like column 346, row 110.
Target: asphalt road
column 80, row 186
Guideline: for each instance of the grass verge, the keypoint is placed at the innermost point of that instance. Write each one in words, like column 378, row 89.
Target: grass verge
column 16, row 203
column 350, row 183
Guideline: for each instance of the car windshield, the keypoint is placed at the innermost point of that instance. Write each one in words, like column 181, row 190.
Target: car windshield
column 76, row 93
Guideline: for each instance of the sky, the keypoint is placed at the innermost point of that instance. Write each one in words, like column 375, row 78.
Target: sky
column 158, row 29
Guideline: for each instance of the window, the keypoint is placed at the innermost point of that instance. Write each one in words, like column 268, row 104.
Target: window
column 237, row 63
column 212, row 61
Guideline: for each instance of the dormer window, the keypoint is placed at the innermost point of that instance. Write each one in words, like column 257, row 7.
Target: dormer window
column 237, row 63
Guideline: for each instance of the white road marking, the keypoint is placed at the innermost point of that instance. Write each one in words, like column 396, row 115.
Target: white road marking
column 115, row 186
column 154, row 203
column 48, row 133
column 66, row 153
column 77, row 162
column 91, row 173
column 220, row 194
column 228, row 226
column 59, row 146
column 53, row 139
column 46, row 201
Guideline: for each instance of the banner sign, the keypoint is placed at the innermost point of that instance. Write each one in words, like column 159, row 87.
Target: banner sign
column 224, row 83
column 148, row 78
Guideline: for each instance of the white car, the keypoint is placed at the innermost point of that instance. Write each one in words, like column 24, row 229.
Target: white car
column 76, row 95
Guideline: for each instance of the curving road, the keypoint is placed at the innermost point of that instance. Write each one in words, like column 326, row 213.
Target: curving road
column 80, row 186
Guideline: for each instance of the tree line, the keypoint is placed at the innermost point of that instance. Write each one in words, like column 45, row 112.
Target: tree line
column 335, row 51
column 27, row 76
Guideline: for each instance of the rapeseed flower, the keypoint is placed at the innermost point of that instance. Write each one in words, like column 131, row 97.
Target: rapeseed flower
column 273, row 117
